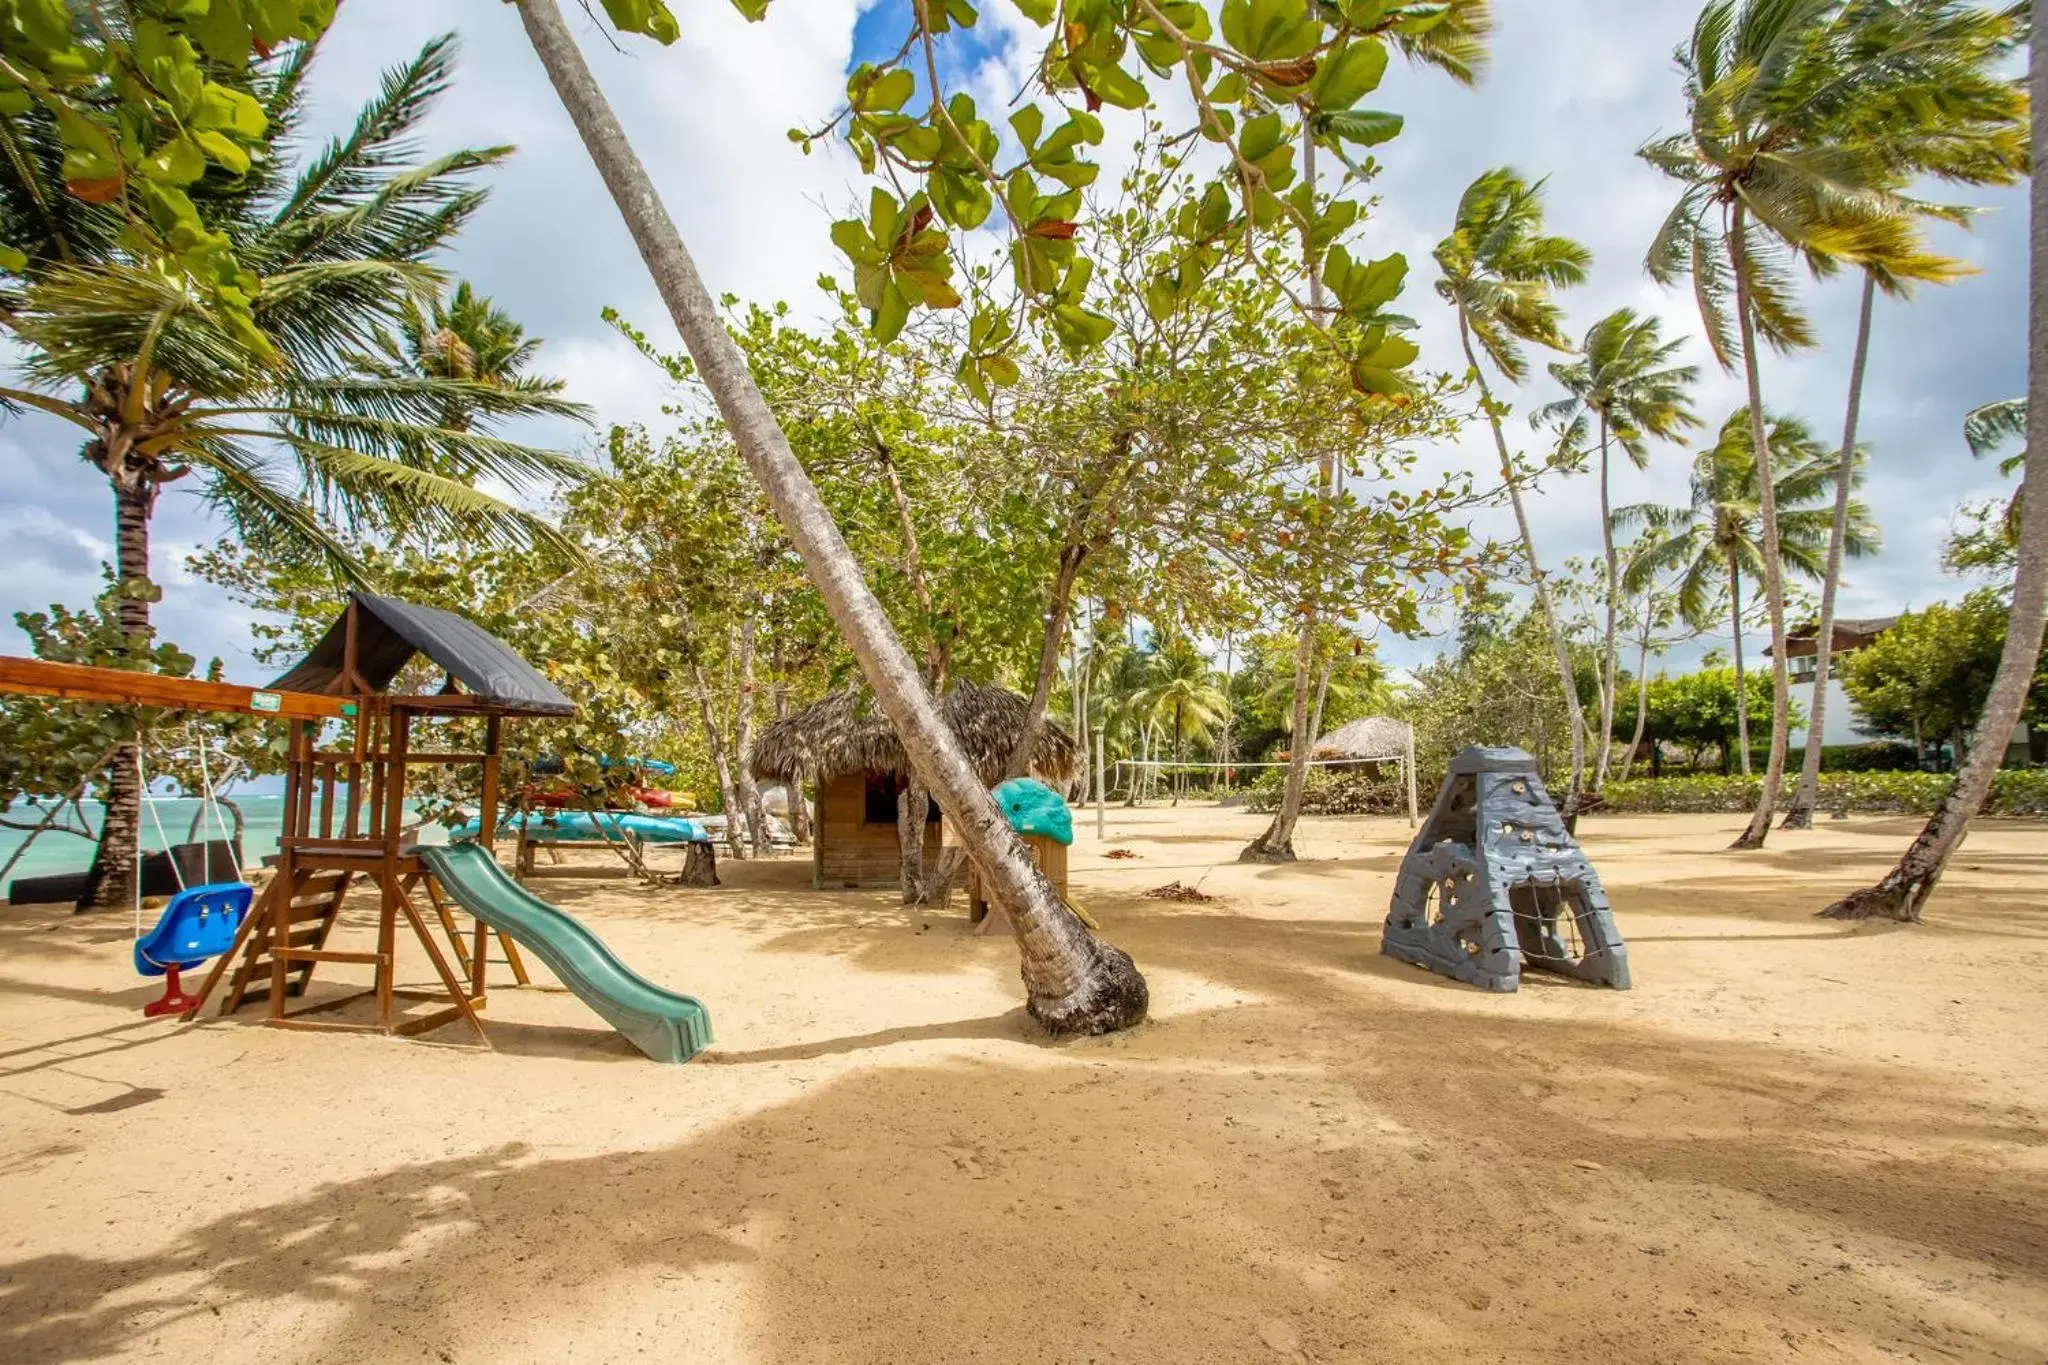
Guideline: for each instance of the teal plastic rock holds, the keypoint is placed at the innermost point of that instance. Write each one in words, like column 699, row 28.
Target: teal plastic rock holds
column 1034, row 808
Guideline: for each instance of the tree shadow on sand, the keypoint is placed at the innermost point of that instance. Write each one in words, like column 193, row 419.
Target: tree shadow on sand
column 1404, row 1189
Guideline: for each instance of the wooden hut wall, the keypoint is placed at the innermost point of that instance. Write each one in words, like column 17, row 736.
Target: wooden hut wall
column 849, row 849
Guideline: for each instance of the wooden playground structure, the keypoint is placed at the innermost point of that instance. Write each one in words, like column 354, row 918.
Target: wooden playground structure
column 285, row 937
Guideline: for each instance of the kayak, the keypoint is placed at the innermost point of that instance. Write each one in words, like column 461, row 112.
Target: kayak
column 576, row 824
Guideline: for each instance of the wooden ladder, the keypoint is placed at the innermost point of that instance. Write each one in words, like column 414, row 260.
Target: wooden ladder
column 315, row 905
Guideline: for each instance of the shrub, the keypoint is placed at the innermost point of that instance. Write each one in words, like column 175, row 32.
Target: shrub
column 1330, row 791
column 2014, row 792
column 1871, row 756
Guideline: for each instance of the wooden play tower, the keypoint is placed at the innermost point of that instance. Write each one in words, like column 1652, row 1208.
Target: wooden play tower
column 356, row 832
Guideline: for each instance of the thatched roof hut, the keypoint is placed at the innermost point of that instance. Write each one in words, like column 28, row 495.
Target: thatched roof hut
column 846, row 747
column 1371, row 739
column 846, row 732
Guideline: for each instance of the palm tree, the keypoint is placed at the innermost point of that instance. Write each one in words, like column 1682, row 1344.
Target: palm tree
column 1074, row 982
column 464, row 337
column 1904, row 890
column 1625, row 383
column 1454, row 42
column 1987, row 428
column 1976, row 135
column 1181, row 691
column 287, row 435
column 1499, row 269
column 1787, row 153
column 1718, row 539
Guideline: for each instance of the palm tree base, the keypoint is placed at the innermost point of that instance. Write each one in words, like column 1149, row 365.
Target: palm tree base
column 1112, row 996
column 1883, row 901
column 1799, row 817
column 1259, row 851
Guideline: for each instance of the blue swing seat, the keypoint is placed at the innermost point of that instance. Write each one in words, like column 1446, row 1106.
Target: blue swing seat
column 199, row 923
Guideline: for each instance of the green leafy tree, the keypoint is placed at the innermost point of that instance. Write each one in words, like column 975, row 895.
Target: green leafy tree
column 1625, row 385
column 116, row 111
column 1698, row 711
column 1928, row 677
column 1274, row 57
column 1718, row 539
column 1484, row 692
column 280, row 428
column 1499, row 272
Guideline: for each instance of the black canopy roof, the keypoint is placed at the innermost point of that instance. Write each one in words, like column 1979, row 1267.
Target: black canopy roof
column 390, row 632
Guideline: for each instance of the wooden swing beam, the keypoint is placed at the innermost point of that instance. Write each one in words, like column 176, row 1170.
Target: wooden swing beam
column 121, row 687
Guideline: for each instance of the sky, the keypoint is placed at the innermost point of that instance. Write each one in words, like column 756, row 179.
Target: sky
column 1576, row 86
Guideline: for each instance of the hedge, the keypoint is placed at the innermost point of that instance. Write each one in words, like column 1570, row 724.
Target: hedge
column 1331, row 792
column 2014, row 791
column 1869, row 756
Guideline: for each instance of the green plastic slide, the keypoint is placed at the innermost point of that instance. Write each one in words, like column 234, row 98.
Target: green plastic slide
column 666, row 1026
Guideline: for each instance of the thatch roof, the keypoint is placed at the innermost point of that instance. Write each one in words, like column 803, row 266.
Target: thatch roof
column 846, row 732
column 1374, row 737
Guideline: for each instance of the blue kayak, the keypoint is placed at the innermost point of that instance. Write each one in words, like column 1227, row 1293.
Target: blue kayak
column 550, row 826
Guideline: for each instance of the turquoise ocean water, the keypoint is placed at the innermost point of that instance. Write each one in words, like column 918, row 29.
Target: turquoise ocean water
column 54, row 852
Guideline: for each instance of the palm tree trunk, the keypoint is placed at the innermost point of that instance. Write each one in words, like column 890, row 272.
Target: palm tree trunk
column 110, row 881
column 1741, row 687
column 1800, row 816
column 1635, row 740
column 1559, row 646
column 1774, row 569
column 1609, row 646
column 1074, row 983
column 1904, row 891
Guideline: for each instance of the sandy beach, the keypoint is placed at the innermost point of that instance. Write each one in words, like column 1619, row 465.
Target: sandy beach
column 1793, row 1140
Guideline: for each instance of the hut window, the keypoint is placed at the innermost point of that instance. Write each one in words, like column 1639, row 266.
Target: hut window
column 881, row 800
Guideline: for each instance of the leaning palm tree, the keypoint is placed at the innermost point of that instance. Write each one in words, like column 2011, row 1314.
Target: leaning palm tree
column 1499, row 270
column 1181, row 693
column 1904, row 890
column 1785, row 157
column 1974, row 134
column 1717, row 540
column 277, row 425
column 1074, row 982
column 1624, row 384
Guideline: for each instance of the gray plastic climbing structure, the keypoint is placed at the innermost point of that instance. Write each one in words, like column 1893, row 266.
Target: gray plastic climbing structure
column 1494, row 882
